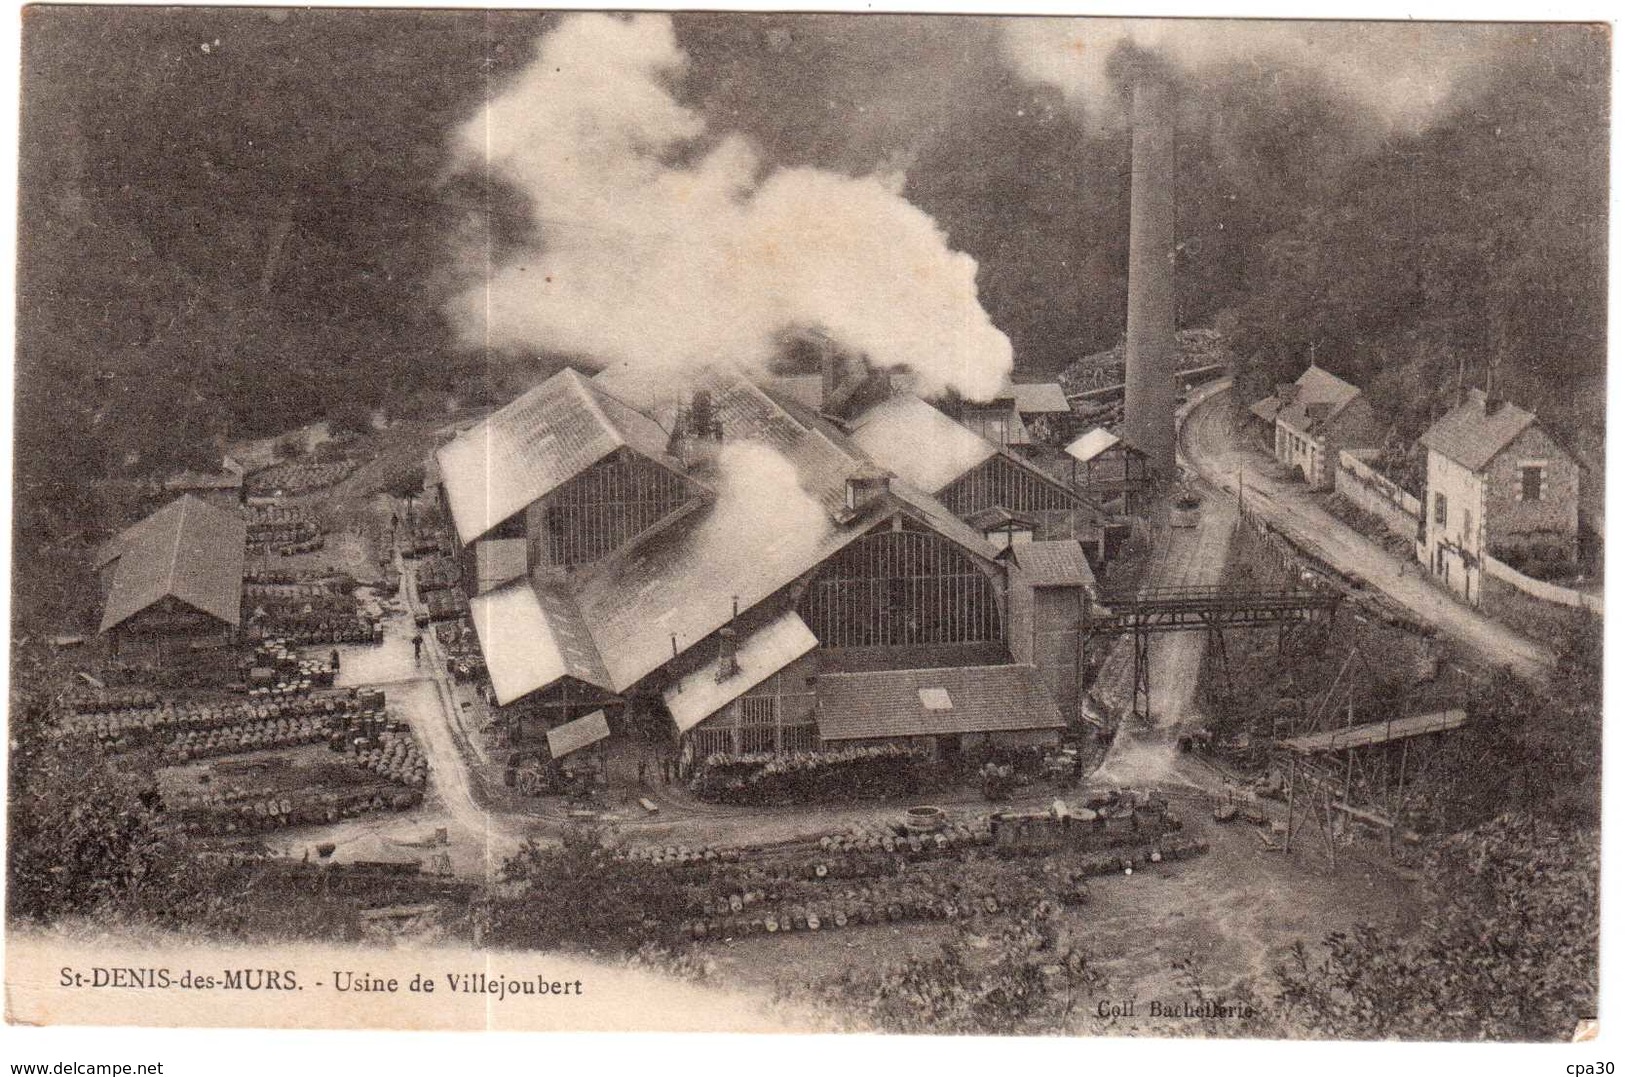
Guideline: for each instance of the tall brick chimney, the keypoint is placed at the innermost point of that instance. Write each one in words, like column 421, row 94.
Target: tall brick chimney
column 1151, row 361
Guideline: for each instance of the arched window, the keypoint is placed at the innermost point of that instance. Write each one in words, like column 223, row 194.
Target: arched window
column 901, row 588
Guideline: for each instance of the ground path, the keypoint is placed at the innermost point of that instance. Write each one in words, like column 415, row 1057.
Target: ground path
column 1226, row 460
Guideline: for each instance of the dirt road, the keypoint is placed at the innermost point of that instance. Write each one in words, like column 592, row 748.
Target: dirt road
column 1225, row 460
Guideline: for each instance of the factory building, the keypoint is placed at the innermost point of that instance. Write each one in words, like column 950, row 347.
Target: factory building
column 729, row 565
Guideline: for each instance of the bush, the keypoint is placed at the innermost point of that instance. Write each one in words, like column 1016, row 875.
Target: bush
column 762, row 778
column 580, row 896
column 1022, row 979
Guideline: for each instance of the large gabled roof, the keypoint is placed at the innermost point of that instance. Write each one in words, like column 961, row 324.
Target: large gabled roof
column 1471, row 435
column 534, row 445
column 613, row 622
column 930, row 702
column 917, row 442
column 680, row 585
column 188, row 550
column 532, row 635
column 1321, row 396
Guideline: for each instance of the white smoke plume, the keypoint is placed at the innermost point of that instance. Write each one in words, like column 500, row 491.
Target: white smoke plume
column 665, row 246
column 1401, row 73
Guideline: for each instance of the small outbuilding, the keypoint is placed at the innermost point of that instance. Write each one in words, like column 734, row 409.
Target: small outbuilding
column 172, row 585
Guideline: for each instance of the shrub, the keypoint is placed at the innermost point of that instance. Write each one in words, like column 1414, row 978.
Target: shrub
column 762, row 778
column 581, row 896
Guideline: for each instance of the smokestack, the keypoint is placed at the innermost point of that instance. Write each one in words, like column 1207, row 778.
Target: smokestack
column 1151, row 360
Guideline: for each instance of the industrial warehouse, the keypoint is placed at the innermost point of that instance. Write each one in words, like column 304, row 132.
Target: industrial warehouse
column 733, row 578
column 889, row 523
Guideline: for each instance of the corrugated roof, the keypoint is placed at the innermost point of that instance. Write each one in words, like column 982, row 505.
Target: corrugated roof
column 1092, row 443
column 537, row 443
column 1321, row 396
column 188, row 550
column 682, row 581
column 888, row 703
column 806, row 389
column 532, row 635
column 497, row 561
column 761, row 654
column 1038, row 397
column 576, row 735
column 917, row 442
column 1267, row 408
column 1054, row 563
column 747, row 412
column 1470, row 436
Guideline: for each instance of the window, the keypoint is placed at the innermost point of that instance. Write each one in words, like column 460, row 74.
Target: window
column 1531, row 483
column 1440, row 509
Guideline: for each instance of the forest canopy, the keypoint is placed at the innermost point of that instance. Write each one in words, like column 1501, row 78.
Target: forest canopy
column 232, row 219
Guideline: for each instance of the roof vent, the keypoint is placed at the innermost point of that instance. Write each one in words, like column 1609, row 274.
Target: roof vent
column 864, row 487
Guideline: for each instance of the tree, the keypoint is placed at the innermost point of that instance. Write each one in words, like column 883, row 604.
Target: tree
column 1510, row 953
column 83, row 832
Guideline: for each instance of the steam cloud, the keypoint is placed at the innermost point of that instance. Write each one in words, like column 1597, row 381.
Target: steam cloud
column 667, row 248
column 1403, row 74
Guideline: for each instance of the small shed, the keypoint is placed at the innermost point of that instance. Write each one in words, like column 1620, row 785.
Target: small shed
column 172, row 584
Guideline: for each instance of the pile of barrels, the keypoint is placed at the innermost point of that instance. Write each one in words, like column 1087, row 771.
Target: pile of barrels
column 122, row 729
column 285, row 577
column 293, row 549
column 396, row 756
column 287, row 600
column 877, row 872
column 438, row 573
column 103, row 701
column 320, row 628
column 294, row 478
column 283, row 533
column 446, row 605
column 289, row 672
column 924, row 892
column 281, row 732
column 429, row 538
column 238, row 811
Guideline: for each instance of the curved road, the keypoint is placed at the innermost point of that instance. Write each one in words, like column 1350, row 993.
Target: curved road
column 1223, row 459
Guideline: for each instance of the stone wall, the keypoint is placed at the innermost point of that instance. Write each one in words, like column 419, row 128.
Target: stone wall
column 1361, row 485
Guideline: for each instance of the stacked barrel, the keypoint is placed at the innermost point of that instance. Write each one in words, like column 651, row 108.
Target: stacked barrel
column 931, row 866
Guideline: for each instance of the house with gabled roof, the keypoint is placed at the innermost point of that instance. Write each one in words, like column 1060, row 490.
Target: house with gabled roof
column 1498, row 485
column 1315, row 418
column 172, row 584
